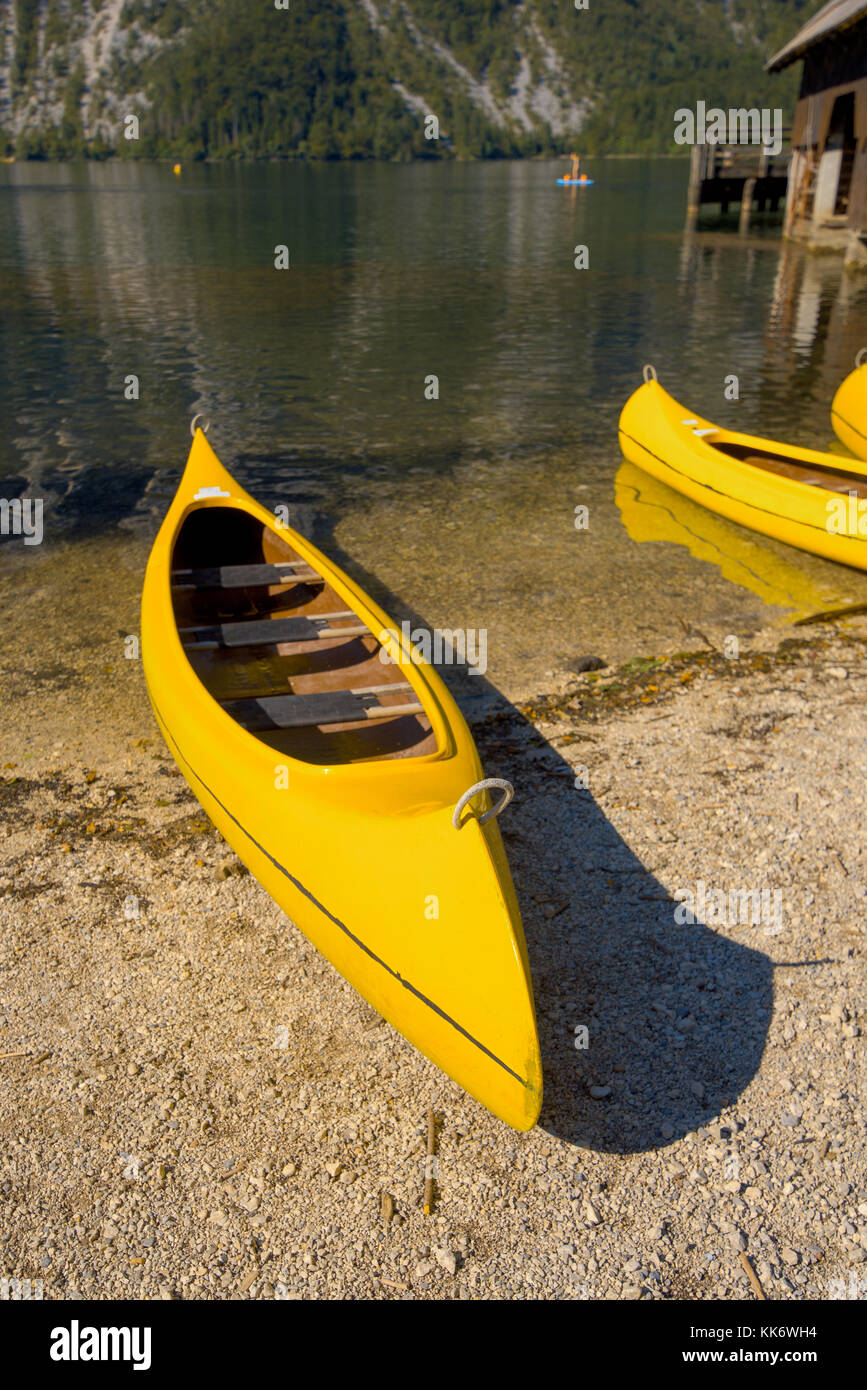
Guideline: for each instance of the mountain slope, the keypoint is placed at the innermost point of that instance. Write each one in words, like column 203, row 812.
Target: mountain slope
column 358, row 78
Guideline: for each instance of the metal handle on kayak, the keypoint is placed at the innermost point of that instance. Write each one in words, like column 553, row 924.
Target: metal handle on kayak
column 205, row 427
column 649, row 372
column 499, row 782
column 861, row 357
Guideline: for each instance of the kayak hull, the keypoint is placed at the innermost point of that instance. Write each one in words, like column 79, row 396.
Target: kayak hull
column 711, row 466
column 576, row 183
column 421, row 918
column 849, row 412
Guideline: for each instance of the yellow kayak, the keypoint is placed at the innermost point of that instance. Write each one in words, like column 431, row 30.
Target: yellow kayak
column 338, row 767
column 815, row 501
column 849, row 409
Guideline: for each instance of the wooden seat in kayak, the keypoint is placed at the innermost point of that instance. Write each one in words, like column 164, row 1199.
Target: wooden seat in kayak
column 245, row 576
column 281, row 651
column 328, row 707
column 263, row 632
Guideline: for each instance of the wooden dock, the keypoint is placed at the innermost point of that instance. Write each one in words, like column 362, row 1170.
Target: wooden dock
column 720, row 175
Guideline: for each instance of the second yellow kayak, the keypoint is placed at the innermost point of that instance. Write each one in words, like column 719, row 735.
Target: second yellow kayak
column 812, row 500
column 849, row 409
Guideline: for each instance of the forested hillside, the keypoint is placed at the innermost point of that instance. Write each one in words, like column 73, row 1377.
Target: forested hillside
column 355, row 79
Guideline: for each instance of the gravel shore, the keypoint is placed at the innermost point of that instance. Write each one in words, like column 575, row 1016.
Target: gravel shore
column 204, row 1109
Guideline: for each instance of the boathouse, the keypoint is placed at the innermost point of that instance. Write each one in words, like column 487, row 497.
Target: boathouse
column 826, row 203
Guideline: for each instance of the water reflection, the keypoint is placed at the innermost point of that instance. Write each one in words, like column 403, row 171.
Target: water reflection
column 315, row 377
column 651, row 511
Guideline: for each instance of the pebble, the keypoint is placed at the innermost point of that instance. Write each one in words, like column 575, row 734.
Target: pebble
column 446, row 1259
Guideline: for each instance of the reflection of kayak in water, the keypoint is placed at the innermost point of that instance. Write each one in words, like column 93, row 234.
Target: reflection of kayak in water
column 577, row 183
column 652, row 511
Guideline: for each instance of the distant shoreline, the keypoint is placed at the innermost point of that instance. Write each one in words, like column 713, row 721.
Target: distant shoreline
column 680, row 154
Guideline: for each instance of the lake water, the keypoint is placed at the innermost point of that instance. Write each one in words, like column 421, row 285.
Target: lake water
column 458, row 511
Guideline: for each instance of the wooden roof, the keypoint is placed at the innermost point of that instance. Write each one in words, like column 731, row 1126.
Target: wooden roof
column 837, row 15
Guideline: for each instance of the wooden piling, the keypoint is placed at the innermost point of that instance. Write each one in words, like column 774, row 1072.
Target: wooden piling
column 725, row 175
column 693, row 197
column 746, row 205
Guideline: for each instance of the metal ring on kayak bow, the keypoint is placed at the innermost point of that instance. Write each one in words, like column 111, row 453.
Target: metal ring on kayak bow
column 861, row 357
column 205, row 427
column 649, row 372
column 505, row 787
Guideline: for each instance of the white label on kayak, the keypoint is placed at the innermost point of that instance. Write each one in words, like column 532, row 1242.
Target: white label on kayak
column 209, row 492
column 712, row 430
column 689, row 422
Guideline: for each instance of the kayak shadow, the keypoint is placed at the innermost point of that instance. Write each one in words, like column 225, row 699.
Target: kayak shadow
column 648, row 1029
column 676, row 1017
column 665, row 1023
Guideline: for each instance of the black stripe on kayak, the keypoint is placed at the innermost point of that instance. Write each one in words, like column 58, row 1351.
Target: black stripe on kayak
column 719, row 492
column 848, row 424
column 336, row 920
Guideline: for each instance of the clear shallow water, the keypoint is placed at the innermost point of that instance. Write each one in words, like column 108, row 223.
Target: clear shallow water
column 458, row 510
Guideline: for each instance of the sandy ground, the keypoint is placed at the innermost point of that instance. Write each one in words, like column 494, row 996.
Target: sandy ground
column 204, row 1109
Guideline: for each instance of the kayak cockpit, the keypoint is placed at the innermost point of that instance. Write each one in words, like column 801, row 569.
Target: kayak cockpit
column 786, row 466
column 280, row 651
